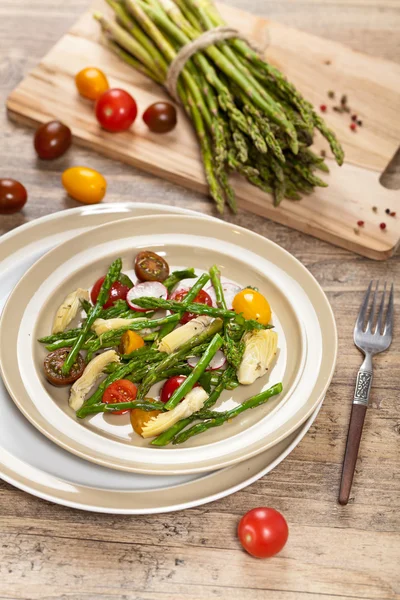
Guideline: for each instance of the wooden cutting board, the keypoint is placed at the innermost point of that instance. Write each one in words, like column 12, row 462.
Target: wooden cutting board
column 315, row 66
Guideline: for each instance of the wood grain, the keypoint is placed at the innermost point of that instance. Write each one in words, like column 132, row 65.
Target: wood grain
column 334, row 553
column 372, row 86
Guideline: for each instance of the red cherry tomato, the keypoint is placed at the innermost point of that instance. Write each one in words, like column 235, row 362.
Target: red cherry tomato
column 121, row 390
column 263, row 532
column 118, row 291
column 13, row 196
column 202, row 298
column 171, row 385
column 160, row 117
column 116, row 110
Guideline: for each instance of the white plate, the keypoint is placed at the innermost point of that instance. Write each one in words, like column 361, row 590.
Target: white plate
column 306, row 368
column 45, row 470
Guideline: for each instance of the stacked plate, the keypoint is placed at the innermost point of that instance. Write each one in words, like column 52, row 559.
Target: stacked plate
column 96, row 465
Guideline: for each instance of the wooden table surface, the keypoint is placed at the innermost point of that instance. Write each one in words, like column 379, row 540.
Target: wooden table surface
column 51, row 552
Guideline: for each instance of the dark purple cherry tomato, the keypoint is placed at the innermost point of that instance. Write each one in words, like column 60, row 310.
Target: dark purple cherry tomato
column 54, row 362
column 13, row 196
column 160, row 117
column 149, row 266
column 52, row 140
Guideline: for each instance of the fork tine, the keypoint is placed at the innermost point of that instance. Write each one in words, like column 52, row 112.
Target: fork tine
column 363, row 309
column 389, row 315
column 379, row 321
column 373, row 307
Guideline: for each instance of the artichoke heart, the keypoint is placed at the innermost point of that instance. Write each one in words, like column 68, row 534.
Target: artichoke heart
column 183, row 334
column 101, row 326
column 193, row 402
column 68, row 310
column 89, row 376
column 260, row 351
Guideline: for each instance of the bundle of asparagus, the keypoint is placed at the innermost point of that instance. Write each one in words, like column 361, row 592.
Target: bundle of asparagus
column 248, row 117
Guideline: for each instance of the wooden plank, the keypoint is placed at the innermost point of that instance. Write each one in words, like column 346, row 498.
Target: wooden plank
column 304, row 487
column 371, row 84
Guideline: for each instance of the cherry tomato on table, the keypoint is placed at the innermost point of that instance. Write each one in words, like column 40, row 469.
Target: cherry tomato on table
column 263, row 532
column 171, row 385
column 52, row 140
column 91, row 83
column 13, row 196
column 118, row 291
column 201, row 298
column 253, row 305
column 84, row 184
column 116, row 110
column 149, row 266
column 121, row 390
column 140, row 417
column 53, row 363
column 160, row 117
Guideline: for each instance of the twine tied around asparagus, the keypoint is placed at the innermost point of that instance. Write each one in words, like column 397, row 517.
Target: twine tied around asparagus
column 208, row 38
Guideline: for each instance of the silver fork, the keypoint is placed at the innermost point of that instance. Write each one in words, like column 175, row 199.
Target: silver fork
column 370, row 340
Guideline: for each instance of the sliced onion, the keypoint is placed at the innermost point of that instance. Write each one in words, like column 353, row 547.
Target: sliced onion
column 230, row 290
column 217, row 362
column 151, row 289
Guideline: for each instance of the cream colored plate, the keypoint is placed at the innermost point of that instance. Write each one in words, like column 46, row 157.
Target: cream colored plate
column 306, row 368
column 46, row 470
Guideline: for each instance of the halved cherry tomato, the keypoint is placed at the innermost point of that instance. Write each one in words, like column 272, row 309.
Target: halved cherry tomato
column 130, row 341
column 84, row 184
column 116, row 110
column 171, row 385
column 140, row 417
column 263, row 532
column 201, row 298
column 149, row 266
column 121, row 390
column 118, row 291
column 91, row 83
column 53, row 363
column 252, row 305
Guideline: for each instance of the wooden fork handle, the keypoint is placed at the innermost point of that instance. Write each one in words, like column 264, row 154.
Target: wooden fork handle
column 353, row 442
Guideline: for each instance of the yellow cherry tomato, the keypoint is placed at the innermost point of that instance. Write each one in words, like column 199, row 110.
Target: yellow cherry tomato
column 140, row 417
column 130, row 341
column 91, row 83
column 84, row 184
column 252, row 305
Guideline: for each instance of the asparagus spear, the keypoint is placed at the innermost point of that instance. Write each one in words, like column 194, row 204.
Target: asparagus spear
column 110, row 408
column 172, row 359
column 198, row 370
column 253, row 402
column 177, row 276
column 110, row 278
column 215, row 275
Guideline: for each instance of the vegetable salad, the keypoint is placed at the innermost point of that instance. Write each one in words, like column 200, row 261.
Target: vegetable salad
column 197, row 334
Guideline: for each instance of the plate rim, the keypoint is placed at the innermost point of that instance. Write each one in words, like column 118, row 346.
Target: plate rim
column 223, row 462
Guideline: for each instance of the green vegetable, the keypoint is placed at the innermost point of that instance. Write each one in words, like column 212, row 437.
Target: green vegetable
column 229, row 414
column 248, row 117
column 215, row 275
column 110, row 408
column 175, row 357
column 198, row 370
column 112, row 276
column 177, row 276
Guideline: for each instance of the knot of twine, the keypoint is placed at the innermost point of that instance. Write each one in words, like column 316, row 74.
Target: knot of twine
column 208, row 38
